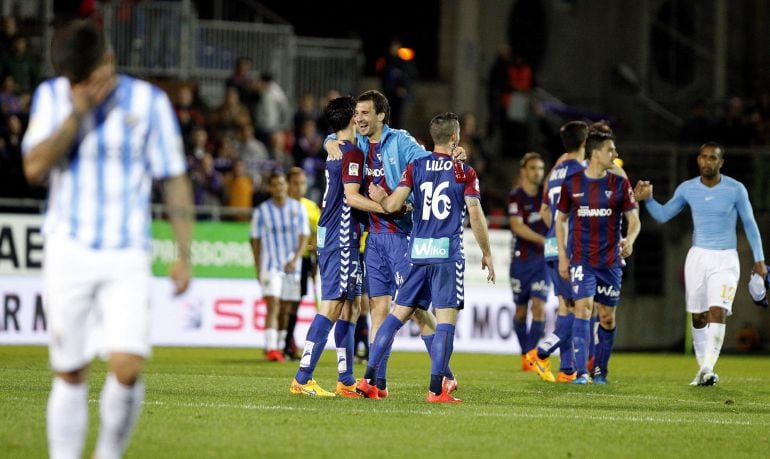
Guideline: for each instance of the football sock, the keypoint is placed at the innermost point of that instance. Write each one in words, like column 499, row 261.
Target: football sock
column 288, row 341
column 282, row 334
column 715, row 335
column 536, row 332
column 441, row 352
column 562, row 334
column 428, row 340
column 119, row 408
column 271, row 337
column 581, row 331
column 699, row 343
column 604, row 348
column 67, row 419
column 315, row 343
column 381, row 345
column 344, row 339
column 362, row 335
column 593, row 336
column 520, row 328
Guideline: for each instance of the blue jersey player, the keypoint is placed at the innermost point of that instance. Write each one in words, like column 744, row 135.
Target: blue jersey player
column 711, row 269
column 387, row 151
column 338, row 240
column 573, row 136
column 529, row 281
column 595, row 202
column 442, row 191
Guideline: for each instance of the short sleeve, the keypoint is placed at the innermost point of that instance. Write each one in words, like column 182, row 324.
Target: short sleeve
column 165, row 147
column 42, row 116
column 472, row 189
column 256, row 224
column 407, row 178
column 629, row 202
column 353, row 166
column 564, row 198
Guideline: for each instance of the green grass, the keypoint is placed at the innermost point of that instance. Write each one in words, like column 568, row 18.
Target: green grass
column 230, row 403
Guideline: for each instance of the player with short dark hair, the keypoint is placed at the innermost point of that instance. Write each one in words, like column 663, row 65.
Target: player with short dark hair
column 712, row 267
column 529, row 279
column 338, row 243
column 101, row 139
column 595, row 202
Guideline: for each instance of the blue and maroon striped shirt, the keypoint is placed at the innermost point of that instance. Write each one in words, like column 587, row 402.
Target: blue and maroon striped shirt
column 595, row 208
column 527, row 207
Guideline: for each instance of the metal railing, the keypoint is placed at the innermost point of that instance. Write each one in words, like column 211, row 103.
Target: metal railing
column 323, row 64
column 167, row 39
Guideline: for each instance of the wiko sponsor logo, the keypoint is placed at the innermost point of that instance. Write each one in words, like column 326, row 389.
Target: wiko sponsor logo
column 430, row 248
column 607, row 290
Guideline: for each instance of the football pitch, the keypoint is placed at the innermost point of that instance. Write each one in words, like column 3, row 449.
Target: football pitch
column 212, row 402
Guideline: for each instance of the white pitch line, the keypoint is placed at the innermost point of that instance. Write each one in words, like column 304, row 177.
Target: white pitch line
column 560, row 416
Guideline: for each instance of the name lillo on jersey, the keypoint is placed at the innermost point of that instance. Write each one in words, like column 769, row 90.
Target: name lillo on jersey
column 438, row 165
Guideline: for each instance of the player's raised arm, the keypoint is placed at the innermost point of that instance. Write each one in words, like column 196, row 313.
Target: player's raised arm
column 669, row 210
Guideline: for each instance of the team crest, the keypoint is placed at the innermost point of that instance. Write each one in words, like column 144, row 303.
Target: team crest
column 353, row 169
column 575, row 288
column 608, row 193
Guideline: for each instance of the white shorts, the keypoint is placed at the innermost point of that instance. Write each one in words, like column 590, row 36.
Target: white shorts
column 284, row 286
column 97, row 302
column 710, row 278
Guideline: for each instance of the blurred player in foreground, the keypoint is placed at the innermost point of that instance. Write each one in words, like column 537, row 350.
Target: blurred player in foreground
column 103, row 138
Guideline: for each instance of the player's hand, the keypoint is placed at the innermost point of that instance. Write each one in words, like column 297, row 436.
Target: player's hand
column 626, row 248
column 88, row 94
column 760, row 268
column 333, row 149
column 642, row 190
column 290, row 267
column 377, row 193
column 460, row 154
column 564, row 267
column 180, row 274
column 486, row 263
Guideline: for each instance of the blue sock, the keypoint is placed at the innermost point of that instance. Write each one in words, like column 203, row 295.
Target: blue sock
column 520, row 328
column 581, row 331
column 428, row 340
column 566, row 349
column 440, row 353
column 383, row 341
column 604, row 348
column 536, row 332
column 344, row 340
column 592, row 342
column 314, row 347
column 562, row 333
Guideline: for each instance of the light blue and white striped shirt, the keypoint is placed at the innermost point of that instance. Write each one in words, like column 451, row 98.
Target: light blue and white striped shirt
column 99, row 194
column 714, row 213
column 278, row 228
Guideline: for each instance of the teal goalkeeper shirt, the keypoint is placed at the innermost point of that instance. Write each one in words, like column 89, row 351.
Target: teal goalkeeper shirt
column 714, row 213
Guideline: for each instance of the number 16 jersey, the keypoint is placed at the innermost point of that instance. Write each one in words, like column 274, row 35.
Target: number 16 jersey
column 439, row 208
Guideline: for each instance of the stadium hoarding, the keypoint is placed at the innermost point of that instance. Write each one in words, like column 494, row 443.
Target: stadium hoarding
column 224, row 306
column 231, row 313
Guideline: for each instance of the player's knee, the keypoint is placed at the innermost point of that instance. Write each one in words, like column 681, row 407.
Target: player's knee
column 74, row 376
column 699, row 320
column 126, row 368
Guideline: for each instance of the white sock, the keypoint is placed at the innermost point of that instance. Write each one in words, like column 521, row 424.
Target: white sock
column 271, row 337
column 67, row 419
column 281, row 339
column 119, row 408
column 699, row 343
column 714, row 338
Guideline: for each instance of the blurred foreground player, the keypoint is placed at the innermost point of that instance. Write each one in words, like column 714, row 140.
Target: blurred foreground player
column 103, row 138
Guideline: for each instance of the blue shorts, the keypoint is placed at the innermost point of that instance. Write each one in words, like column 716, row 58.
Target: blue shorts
column 601, row 284
column 387, row 261
column 441, row 284
column 561, row 287
column 529, row 279
column 340, row 274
